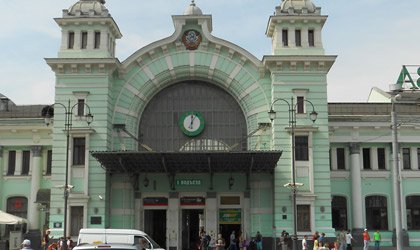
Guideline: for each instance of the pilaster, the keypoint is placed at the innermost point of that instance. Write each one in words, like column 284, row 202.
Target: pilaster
column 33, row 213
column 356, row 186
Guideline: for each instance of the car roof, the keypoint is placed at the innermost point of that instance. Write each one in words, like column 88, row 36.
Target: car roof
column 106, row 246
column 111, row 231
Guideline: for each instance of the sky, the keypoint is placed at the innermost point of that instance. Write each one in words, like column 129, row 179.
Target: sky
column 372, row 39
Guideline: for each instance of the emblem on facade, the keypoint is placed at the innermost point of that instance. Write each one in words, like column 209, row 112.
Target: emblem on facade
column 191, row 39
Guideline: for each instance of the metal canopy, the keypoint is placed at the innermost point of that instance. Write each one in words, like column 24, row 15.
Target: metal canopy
column 188, row 162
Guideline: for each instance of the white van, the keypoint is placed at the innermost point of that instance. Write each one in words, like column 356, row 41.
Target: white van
column 122, row 236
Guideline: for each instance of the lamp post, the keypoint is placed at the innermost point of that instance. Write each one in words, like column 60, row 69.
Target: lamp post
column 292, row 124
column 396, row 174
column 68, row 123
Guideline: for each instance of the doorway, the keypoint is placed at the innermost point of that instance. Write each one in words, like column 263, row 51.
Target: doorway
column 191, row 219
column 155, row 225
column 227, row 229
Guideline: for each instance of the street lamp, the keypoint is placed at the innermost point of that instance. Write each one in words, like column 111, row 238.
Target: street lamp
column 292, row 124
column 396, row 173
column 68, row 123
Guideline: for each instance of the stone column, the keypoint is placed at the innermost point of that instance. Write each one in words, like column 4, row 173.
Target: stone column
column 247, row 214
column 211, row 214
column 356, row 186
column 33, row 213
column 174, row 230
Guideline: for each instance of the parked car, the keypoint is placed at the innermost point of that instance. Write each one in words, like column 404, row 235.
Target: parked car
column 98, row 236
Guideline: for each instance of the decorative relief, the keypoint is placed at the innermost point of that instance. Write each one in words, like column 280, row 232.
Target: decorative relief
column 191, row 39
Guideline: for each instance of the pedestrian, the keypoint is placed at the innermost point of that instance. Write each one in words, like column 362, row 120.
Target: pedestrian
column 220, row 242
column 316, row 242
column 241, row 241
column 366, row 239
column 46, row 240
column 377, row 239
column 305, row 243
column 342, row 239
column 258, row 240
column 349, row 240
column 232, row 241
column 26, row 245
column 69, row 243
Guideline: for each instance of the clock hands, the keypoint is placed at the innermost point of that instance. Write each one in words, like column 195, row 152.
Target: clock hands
column 192, row 121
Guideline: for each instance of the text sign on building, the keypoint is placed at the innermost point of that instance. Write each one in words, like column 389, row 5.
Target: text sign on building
column 155, row 201
column 188, row 182
column 406, row 77
column 193, row 201
column 230, row 216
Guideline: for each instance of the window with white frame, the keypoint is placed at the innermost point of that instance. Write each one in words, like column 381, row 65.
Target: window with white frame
column 285, row 37
column 79, row 147
column 97, row 42
column 70, row 40
column 11, row 165
column 341, row 159
column 406, row 158
column 49, row 162
column 298, row 38
column 300, row 104
column 311, row 38
column 84, row 40
column 366, row 159
column 302, row 148
column 413, row 212
column 381, row 158
column 26, row 159
column 376, row 212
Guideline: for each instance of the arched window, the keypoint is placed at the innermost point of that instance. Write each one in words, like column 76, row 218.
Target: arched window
column 413, row 212
column 376, row 212
column 339, row 212
column 17, row 206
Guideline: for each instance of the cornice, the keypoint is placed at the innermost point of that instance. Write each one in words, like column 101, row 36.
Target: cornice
column 299, row 63
column 87, row 65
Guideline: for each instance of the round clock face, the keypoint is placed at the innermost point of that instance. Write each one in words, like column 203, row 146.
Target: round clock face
column 191, row 123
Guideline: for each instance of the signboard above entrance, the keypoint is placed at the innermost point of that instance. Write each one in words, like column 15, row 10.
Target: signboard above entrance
column 193, row 201
column 230, row 216
column 188, row 182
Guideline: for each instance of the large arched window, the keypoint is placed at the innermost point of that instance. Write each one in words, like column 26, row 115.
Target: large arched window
column 224, row 122
column 376, row 212
column 339, row 212
column 413, row 212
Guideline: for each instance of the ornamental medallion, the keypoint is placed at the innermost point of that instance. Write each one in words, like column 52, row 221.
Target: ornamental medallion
column 191, row 39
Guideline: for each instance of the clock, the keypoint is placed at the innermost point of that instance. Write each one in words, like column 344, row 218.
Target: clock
column 191, row 123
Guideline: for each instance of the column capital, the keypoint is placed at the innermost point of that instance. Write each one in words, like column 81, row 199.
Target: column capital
column 354, row 148
column 36, row 151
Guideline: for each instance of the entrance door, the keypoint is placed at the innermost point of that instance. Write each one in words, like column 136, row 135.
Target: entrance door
column 191, row 228
column 155, row 225
column 227, row 229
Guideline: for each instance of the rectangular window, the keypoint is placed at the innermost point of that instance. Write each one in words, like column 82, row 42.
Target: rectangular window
column 12, row 163
column 381, row 159
column 406, row 158
column 418, row 158
column 70, row 41
column 26, row 158
column 285, row 37
column 301, row 148
column 79, row 145
column 341, row 163
column 49, row 162
column 300, row 105
column 366, row 159
column 303, row 218
column 84, row 39
column 298, row 38
column 311, row 38
column 97, row 39
column 80, row 107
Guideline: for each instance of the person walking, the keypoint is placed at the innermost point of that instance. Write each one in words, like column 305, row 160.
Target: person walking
column 305, row 243
column 342, row 239
column 220, row 242
column 258, row 240
column 349, row 240
column 232, row 241
column 366, row 239
column 377, row 239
